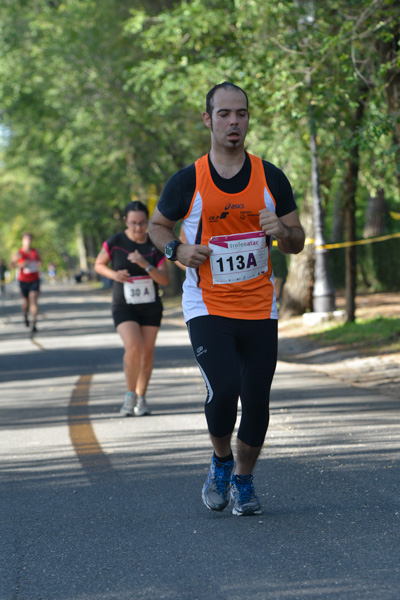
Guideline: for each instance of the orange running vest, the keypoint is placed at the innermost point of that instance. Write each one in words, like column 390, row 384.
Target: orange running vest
column 216, row 213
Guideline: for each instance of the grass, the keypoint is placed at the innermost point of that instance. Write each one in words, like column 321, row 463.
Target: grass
column 377, row 333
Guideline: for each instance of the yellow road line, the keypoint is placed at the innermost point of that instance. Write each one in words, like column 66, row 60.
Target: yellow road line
column 81, row 431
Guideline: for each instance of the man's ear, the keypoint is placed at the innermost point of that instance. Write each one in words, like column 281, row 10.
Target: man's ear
column 207, row 120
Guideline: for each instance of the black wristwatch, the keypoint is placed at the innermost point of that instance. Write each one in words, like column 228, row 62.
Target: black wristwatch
column 170, row 249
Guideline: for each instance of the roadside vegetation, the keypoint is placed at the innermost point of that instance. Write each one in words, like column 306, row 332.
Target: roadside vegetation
column 101, row 103
column 377, row 334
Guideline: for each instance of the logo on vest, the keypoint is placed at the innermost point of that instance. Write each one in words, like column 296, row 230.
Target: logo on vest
column 215, row 219
column 233, row 206
column 244, row 214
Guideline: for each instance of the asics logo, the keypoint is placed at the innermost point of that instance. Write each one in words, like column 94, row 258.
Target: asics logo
column 233, row 206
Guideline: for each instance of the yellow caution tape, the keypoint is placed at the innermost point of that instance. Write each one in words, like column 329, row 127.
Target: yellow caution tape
column 381, row 238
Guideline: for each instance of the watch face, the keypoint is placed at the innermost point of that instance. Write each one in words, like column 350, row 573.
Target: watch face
column 170, row 250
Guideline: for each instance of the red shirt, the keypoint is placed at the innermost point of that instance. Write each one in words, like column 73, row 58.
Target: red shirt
column 29, row 272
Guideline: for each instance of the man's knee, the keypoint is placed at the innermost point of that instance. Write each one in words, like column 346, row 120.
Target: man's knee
column 221, row 412
column 254, row 423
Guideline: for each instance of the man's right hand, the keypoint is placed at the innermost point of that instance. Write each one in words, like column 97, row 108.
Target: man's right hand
column 192, row 255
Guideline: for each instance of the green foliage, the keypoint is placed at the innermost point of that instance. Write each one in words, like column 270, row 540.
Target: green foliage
column 336, row 262
column 103, row 99
column 279, row 263
column 377, row 333
column 381, row 265
column 378, row 266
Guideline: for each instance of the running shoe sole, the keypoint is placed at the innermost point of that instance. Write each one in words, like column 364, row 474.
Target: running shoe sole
column 246, row 512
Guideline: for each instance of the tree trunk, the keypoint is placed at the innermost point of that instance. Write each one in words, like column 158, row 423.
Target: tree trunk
column 323, row 292
column 350, row 188
column 83, row 262
column 338, row 218
column 297, row 290
column 375, row 215
column 350, row 228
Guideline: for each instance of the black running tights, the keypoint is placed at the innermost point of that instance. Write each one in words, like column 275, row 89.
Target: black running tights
column 237, row 358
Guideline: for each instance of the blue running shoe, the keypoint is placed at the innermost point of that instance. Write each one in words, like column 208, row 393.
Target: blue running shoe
column 243, row 496
column 215, row 492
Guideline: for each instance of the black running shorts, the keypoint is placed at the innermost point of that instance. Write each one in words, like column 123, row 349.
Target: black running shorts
column 144, row 314
column 237, row 358
column 26, row 288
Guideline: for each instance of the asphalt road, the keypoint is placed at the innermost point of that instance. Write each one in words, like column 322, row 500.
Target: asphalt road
column 97, row 507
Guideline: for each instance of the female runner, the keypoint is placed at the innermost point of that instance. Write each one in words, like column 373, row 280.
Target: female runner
column 137, row 269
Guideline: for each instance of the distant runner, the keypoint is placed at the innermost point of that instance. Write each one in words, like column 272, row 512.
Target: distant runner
column 3, row 271
column 28, row 262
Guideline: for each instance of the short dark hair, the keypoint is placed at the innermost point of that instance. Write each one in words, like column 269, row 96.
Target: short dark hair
column 136, row 206
column 225, row 86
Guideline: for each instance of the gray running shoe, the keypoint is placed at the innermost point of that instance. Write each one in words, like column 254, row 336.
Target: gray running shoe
column 127, row 409
column 243, row 496
column 215, row 491
column 141, row 408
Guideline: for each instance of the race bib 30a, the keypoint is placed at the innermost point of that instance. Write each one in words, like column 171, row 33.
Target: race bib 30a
column 139, row 290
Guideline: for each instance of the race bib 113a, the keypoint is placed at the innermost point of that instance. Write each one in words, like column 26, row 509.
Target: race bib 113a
column 238, row 257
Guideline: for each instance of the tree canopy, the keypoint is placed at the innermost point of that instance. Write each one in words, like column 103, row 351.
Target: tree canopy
column 101, row 101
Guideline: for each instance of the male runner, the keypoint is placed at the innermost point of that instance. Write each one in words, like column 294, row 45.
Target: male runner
column 232, row 204
column 28, row 261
